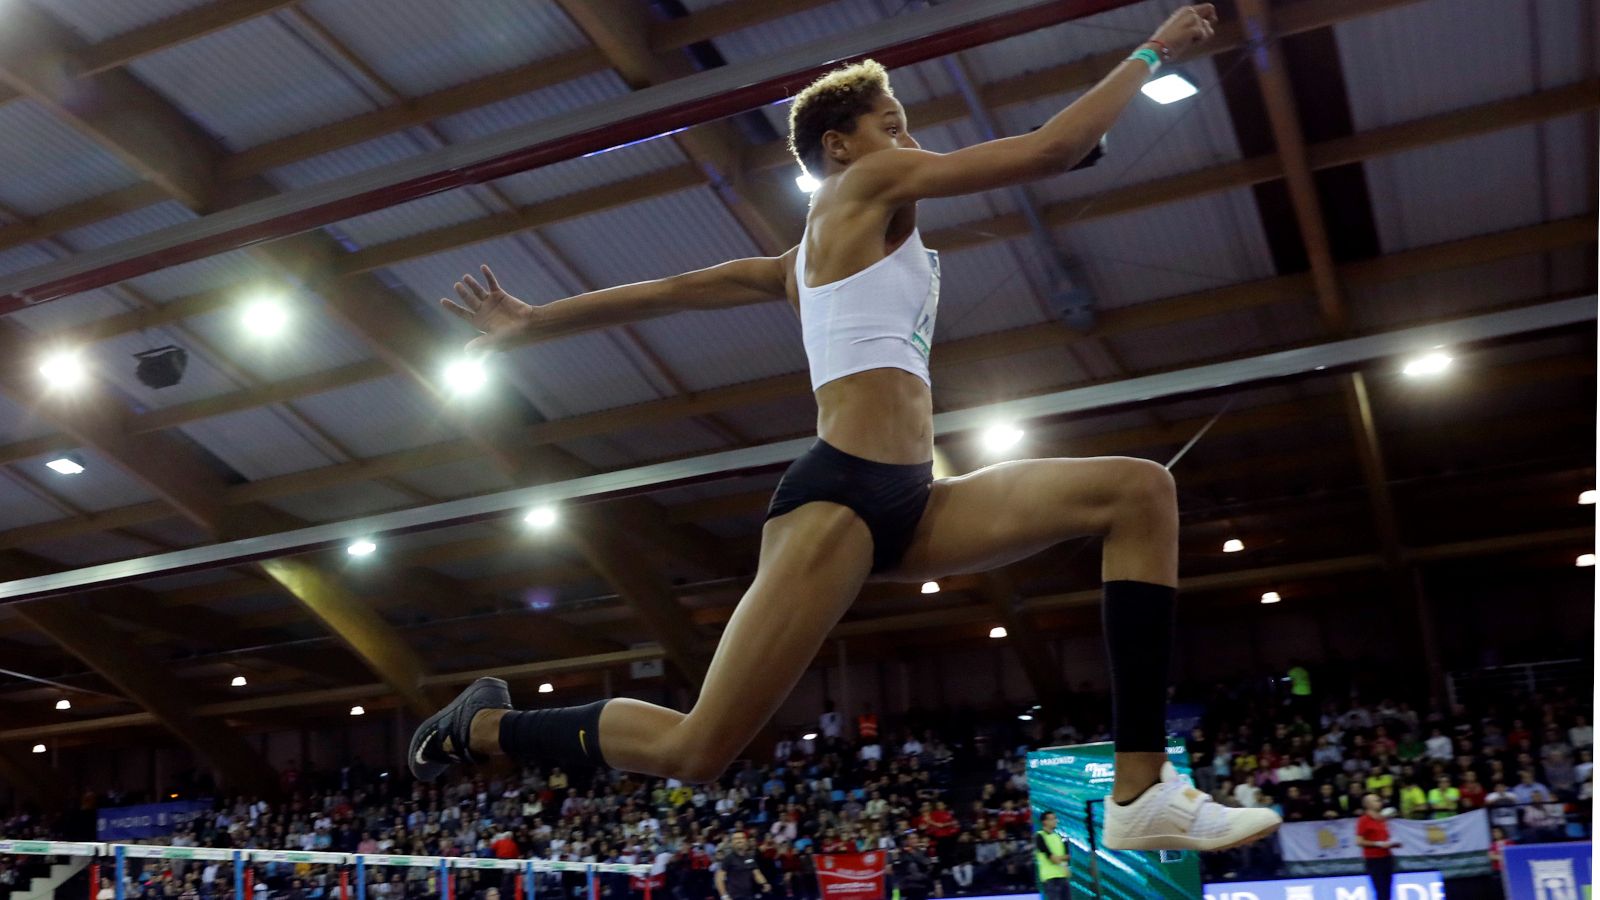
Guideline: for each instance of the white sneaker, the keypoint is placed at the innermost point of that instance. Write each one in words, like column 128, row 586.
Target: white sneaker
column 1175, row 816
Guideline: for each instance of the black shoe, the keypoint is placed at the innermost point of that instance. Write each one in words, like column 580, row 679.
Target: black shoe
column 445, row 738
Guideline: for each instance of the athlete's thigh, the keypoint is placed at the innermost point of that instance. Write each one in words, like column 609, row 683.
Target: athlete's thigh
column 1010, row 511
column 813, row 563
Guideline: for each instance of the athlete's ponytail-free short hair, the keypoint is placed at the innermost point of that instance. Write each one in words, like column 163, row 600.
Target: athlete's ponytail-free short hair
column 833, row 103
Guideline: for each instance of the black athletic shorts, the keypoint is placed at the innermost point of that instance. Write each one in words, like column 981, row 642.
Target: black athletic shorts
column 889, row 498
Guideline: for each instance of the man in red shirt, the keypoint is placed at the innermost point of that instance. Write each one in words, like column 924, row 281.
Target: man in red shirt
column 1372, row 836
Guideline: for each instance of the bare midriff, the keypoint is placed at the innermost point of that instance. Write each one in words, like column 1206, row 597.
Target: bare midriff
column 885, row 415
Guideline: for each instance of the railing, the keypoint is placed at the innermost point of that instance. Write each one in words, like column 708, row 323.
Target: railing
column 350, row 866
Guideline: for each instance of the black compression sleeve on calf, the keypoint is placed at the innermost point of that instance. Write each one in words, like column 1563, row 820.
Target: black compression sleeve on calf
column 569, row 736
column 1138, row 622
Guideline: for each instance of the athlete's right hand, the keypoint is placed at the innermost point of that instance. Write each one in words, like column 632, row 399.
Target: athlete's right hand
column 1187, row 28
column 501, row 317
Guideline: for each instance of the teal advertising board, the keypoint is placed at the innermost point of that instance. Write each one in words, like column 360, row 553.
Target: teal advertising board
column 1073, row 782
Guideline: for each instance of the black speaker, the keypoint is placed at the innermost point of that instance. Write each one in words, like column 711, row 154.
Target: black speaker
column 161, row 367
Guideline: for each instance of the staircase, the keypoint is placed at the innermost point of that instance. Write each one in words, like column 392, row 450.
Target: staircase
column 43, row 887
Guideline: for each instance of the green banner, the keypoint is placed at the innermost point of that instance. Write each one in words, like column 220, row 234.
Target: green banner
column 1073, row 782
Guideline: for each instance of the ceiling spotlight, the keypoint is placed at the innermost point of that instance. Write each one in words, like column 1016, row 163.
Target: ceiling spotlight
column 239, row 681
column 63, row 704
column 38, row 748
column 361, row 548
column 63, row 369
column 541, row 516
column 930, row 587
column 547, row 688
column 809, row 736
column 1586, row 498
column 1002, row 437
column 1270, row 597
column 358, row 711
column 1586, row 560
column 806, row 183
column 1429, row 364
column 66, row 465
column 466, row 376
column 999, row 631
column 265, row 317
column 1170, row 88
column 1232, row 545
column 1024, row 717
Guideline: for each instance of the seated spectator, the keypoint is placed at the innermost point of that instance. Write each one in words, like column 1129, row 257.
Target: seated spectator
column 1473, row 795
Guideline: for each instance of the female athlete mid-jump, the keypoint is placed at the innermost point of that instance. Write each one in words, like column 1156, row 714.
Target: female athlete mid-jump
column 862, row 503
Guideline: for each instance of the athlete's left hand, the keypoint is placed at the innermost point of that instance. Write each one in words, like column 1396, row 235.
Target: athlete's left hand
column 501, row 317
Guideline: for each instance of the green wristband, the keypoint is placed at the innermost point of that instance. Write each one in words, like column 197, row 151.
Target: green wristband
column 1149, row 57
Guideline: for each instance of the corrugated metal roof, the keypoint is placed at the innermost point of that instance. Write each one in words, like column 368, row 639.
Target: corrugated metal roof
column 797, row 29
column 1149, row 141
column 314, row 340
column 102, row 485
column 416, row 217
column 92, row 549
column 47, row 164
column 420, row 46
column 575, row 176
column 1459, row 291
column 1218, row 336
column 252, row 83
column 346, row 161
column 256, row 443
column 17, row 423
column 579, row 374
column 1450, row 191
column 1069, row 41
column 341, row 502
column 984, row 289
column 431, row 277
column 97, row 20
column 712, row 349
column 176, row 532
column 534, row 106
column 459, row 479
column 128, row 225
column 639, row 445
column 236, row 267
column 1191, row 245
column 20, row 505
column 1569, row 165
column 48, row 318
column 1425, row 58
column 665, row 235
column 377, row 417
column 1004, row 377
column 784, row 418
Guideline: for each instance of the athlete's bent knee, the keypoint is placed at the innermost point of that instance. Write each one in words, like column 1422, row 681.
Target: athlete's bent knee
column 1147, row 485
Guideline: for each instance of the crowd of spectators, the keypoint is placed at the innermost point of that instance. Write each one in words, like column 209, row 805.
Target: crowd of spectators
column 955, row 783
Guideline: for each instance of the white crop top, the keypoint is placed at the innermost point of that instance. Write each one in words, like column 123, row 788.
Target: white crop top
column 880, row 317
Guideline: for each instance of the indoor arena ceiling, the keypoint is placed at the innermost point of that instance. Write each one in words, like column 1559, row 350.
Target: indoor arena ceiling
column 1386, row 164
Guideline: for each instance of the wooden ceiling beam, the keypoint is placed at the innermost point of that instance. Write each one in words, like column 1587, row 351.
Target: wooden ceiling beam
column 148, row 683
column 114, row 109
column 1302, row 16
column 359, row 628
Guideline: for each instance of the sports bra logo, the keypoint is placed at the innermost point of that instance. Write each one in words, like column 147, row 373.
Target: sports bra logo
column 922, row 334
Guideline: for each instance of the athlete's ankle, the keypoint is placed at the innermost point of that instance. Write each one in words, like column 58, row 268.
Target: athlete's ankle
column 484, row 737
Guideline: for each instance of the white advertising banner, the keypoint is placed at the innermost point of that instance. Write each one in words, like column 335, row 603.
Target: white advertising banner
column 1458, row 845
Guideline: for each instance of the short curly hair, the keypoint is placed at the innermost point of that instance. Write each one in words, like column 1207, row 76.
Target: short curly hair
column 833, row 103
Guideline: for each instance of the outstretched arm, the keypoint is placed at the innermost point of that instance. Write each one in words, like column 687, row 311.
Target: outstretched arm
column 904, row 175
column 506, row 321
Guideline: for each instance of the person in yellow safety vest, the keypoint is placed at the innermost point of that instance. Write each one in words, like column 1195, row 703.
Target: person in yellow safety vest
column 1050, row 852
column 1444, row 800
